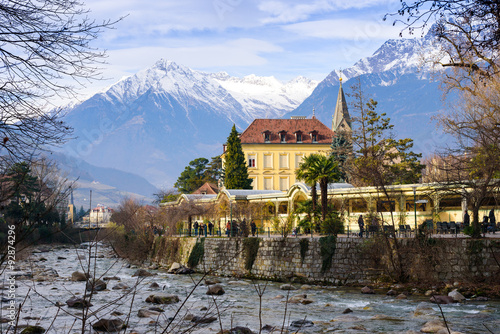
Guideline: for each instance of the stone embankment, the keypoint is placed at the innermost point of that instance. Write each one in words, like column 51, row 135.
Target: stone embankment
column 336, row 261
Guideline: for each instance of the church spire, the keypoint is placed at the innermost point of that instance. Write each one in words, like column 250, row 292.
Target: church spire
column 341, row 119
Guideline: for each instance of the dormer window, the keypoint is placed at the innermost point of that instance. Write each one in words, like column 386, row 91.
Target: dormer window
column 267, row 136
column 298, row 136
column 282, row 135
column 314, row 136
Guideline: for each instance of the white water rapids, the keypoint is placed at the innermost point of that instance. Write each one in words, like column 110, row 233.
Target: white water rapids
column 43, row 299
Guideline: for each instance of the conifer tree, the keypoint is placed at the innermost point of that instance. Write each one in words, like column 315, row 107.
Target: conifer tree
column 235, row 168
column 341, row 151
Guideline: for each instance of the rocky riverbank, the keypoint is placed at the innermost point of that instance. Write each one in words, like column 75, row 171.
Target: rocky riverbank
column 56, row 294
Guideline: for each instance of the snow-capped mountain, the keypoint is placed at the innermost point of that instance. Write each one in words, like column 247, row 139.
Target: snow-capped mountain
column 258, row 93
column 156, row 121
column 398, row 56
column 398, row 77
column 238, row 99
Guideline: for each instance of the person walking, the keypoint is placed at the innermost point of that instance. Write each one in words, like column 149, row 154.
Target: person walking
column 244, row 228
column 228, row 228
column 210, row 227
column 493, row 220
column 253, row 227
column 195, row 225
column 485, row 225
column 234, row 229
column 361, row 225
column 466, row 219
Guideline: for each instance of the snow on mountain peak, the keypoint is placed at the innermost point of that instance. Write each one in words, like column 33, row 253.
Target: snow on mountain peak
column 399, row 55
column 266, row 97
column 258, row 96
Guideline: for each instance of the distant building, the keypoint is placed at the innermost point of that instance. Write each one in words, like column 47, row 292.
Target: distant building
column 100, row 216
column 207, row 189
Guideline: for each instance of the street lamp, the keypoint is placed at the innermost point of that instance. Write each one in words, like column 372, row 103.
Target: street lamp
column 415, row 206
column 231, row 217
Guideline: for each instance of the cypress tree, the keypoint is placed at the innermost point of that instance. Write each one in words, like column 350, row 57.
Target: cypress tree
column 341, row 150
column 235, row 168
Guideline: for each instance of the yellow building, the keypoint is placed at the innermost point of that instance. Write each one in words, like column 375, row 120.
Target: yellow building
column 274, row 148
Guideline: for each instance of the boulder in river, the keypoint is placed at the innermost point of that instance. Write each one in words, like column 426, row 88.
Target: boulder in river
column 367, row 290
column 239, row 330
column 162, row 298
column 154, row 285
column 33, row 330
column 157, row 309
column 439, row 299
column 203, row 320
column 213, row 280
column 288, row 287
column 301, row 323
column 77, row 302
column 241, row 282
column 184, row 271
column 457, row 296
column 78, row 276
column 121, row 286
column 147, row 313
column 424, row 309
column 108, row 325
column 392, row 293
column 174, row 267
column 433, row 326
column 142, row 273
column 179, row 269
column 300, row 299
column 268, row 328
column 96, row 285
column 215, row 290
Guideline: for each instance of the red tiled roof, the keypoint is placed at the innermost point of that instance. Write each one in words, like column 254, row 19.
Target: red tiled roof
column 207, row 188
column 254, row 133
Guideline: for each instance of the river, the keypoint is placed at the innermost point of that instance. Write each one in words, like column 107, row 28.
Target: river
column 44, row 296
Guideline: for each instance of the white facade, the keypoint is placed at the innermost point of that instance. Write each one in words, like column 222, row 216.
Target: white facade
column 100, row 215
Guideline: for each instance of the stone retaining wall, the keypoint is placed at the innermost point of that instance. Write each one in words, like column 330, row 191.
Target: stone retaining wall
column 352, row 260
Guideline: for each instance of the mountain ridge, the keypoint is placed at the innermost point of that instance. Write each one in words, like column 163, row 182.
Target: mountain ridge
column 138, row 123
column 156, row 121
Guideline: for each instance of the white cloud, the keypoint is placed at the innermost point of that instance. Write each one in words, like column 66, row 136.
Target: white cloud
column 284, row 38
column 239, row 52
column 152, row 18
column 345, row 29
column 284, row 12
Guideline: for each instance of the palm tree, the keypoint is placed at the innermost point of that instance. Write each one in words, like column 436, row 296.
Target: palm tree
column 305, row 173
column 326, row 170
column 319, row 168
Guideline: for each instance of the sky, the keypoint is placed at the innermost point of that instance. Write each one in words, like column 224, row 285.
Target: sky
column 277, row 38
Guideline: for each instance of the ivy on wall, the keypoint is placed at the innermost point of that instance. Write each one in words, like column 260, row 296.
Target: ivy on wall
column 327, row 246
column 250, row 249
column 197, row 253
column 304, row 247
